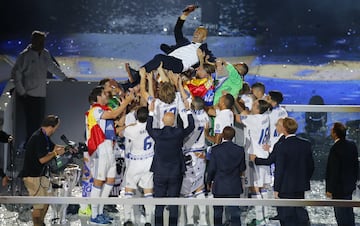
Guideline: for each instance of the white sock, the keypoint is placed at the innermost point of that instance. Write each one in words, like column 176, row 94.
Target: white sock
column 95, row 193
column 189, row 213
column 105, row 194
column 128, row 209
column 258, row 209
column 149, row 209
column 202, row 209
column 265, row 195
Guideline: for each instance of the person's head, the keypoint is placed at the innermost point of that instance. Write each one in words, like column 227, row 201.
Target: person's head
column 260, row 106
column 50, row 123
column 241, row 68
column 228, row 133
column 142, row 114
column 98, row 95
column 197, row 103
column 169, row 119
column 200, row 34
column 205, row 70
column 338, row 131
column 279, row 126
column 275, row 98
column 167, row 92
column 245, row 88
column 226, row 101
column 258, row 89
column 38, row 40
column 290, row 125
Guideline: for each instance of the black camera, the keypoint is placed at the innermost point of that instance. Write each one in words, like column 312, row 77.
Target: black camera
column 59, row 163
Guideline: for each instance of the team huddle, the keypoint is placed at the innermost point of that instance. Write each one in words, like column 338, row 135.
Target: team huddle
column 167, row 118
column 170, row 120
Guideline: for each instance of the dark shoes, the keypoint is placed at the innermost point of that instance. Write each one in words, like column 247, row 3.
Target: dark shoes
column 274, row 218
column 134, row 76
column 128, row 223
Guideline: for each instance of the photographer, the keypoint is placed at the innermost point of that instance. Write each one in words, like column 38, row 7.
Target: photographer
column 39, row 151
column 4, row 138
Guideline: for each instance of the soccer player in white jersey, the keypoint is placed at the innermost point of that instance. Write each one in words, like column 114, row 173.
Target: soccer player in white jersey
column 223, row 117
column 257, row 129
column 100, row 135
column 258, row 89
column 194, row 151
column 169, row 100
column 140, row 153
column 275, row 98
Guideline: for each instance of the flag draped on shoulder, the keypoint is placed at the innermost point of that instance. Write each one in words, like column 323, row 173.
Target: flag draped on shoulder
column 95, row 134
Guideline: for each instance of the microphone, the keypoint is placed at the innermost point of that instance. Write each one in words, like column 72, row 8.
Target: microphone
column 67, row 141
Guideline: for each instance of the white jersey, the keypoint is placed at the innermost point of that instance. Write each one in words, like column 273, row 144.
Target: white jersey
column 275, row 114
column 196, row 140
column 161, row 108
column 139, row 144
column 223, row 118
column 130, row 118
column 257, row 130
column 248, row 100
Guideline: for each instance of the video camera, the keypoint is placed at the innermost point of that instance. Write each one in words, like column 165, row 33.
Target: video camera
column 72, row 150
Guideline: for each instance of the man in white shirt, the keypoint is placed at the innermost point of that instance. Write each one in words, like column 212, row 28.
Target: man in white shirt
column 257, row 132
column 139, row 156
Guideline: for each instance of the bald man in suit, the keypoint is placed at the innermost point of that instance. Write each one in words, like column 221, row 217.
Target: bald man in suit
column 168, row 163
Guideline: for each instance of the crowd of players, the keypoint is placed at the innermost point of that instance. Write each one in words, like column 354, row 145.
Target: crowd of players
column 187, row 77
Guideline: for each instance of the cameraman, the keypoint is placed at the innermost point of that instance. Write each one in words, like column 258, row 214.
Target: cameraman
column 4, row 138
column 39, row 151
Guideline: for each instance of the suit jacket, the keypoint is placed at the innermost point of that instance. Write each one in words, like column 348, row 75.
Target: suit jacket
column 342, row 168
column 227, row 162
column 272, row 157
column 181, row 40
column 294, row 166
column 168, row 158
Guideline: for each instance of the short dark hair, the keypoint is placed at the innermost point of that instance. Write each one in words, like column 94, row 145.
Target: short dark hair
column 244, row 68
column 228, row 133
column 103, row 81
column 209, row 68
column 95, row 93
column 229, row 101
column 197, row 103
column 264, row 106
column 276, row 96
column 50, row 120
column 142, row 114
column 340, row 130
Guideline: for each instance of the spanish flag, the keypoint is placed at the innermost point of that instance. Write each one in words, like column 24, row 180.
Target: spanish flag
column 95, row 134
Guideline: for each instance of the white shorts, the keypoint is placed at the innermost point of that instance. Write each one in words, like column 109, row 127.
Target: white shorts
column 194, row 174
column 257, row 176
column 138, row 173
column 103, row 164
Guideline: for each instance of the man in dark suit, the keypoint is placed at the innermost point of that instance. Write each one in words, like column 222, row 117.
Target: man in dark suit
column 227, row 164
column 179, row 57
column 168, row 163
column 342, row 173
column 294, row 168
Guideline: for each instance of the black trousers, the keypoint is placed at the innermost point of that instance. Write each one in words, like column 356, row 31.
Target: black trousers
column 167, row 187
column 344, row 215
column 233, row 211
column 293, row 216
column 169, row 63
column 34, row 110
